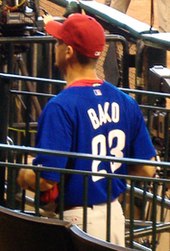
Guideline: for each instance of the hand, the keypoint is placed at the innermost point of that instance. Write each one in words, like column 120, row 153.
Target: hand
column 25, row 176
column 47, row 18
column 27, row 180
column 21, row 179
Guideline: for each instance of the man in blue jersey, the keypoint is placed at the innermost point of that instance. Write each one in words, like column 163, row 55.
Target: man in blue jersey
column 88, row 116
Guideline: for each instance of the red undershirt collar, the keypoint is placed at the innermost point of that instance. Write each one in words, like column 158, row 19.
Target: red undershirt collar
column 85, row 82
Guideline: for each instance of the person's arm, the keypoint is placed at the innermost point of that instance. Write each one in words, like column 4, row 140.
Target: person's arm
column 47, row 18
column 27, row 180
column 142, row 170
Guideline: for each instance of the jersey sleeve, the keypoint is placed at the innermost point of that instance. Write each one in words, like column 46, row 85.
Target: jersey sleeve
column 142, row 146
column 54, row 133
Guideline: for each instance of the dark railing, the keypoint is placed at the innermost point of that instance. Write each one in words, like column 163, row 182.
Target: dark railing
column 134, row 229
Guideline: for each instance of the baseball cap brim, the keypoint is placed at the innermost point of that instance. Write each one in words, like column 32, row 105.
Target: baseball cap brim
column 54, row 28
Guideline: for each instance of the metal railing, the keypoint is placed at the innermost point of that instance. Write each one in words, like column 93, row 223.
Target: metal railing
column 134, row 229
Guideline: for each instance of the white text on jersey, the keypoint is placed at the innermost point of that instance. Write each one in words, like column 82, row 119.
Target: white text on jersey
column 109, row 112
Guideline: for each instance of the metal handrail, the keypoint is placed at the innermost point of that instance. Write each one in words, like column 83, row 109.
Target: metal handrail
column 144, row 230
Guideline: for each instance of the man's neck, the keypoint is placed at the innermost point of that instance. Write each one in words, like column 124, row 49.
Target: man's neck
column 77, row 73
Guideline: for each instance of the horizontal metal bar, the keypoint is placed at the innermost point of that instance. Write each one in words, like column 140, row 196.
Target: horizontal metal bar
column 30, row 39
column 31, row 93
column 149, row 195
column 137, row 223
column 148, row 93
column 141, row 247
column 28, row 149
column 70, row 171
column 140, row 232
column 158, row 108
column 52, row 95
column 27, row 78
column 45, row 80
column 22, row 125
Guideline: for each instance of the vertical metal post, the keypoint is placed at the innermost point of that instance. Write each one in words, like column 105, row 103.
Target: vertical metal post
column 4, row 112
column 37, row 194
column 4, row 117
column 154, row 216
column 108, row 220
column 85, row 204
column 132, row 213
column 61, row 196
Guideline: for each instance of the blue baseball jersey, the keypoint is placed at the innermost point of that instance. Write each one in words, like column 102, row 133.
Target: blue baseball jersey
column 96, row 118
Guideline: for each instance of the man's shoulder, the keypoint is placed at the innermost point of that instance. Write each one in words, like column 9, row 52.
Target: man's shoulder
column 118, row 92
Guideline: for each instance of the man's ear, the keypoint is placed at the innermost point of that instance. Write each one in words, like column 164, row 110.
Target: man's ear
column 69, row 52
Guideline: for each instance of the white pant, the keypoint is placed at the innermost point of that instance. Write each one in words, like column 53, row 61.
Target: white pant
column 96, row 221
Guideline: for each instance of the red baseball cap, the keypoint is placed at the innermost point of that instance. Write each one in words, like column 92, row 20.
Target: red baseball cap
column 80, row 31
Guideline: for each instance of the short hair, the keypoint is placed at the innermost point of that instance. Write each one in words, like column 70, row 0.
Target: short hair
column 84, row 60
